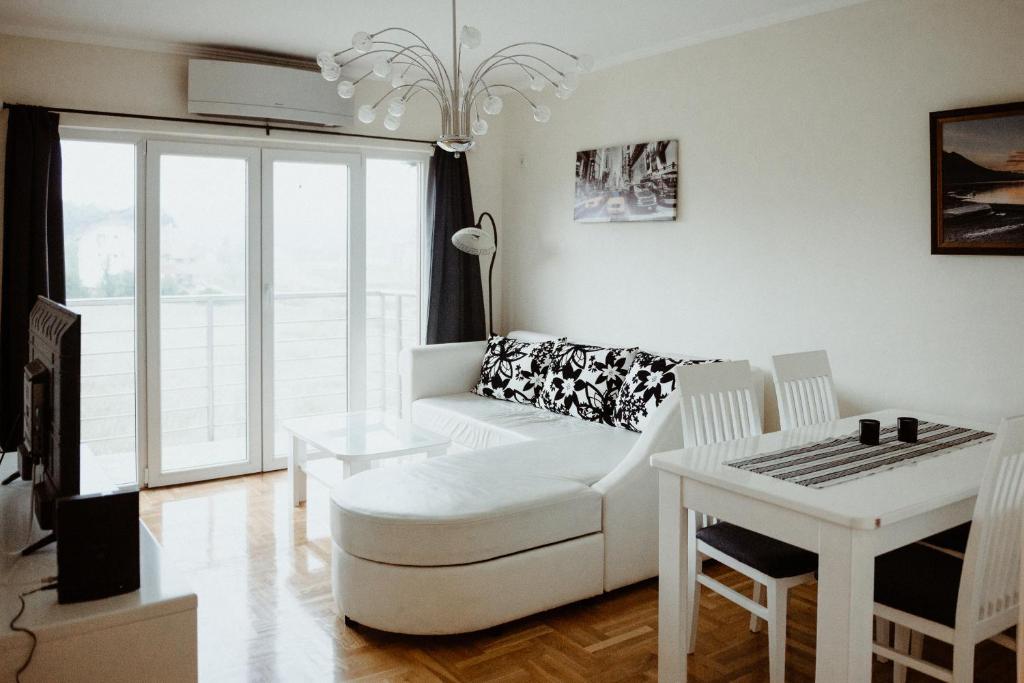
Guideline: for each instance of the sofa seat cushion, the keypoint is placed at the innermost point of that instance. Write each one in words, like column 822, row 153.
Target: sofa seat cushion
column 475, row 506
column 476, row 422
column 921, row 581
column 767, row 555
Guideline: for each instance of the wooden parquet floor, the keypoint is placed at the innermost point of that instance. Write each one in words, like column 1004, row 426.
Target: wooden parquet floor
column 262, row 573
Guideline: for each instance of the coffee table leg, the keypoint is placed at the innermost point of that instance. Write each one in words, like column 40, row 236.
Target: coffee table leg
column 296, row 473
column 355, row 467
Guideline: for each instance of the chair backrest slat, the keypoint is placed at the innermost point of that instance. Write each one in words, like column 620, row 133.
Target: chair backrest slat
column 989, row 586
column 718, row 402
column 804, row 389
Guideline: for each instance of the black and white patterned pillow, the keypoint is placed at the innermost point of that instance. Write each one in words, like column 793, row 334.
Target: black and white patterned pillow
column 514, row 370
column 649, row 381
column 583, row 381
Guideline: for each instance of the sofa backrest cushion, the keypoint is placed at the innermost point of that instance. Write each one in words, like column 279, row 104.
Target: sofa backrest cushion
column 530, row 336
column 514, row 370
column 583, row 381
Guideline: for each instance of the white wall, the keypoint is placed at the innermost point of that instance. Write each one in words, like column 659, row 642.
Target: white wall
column 78, row 76
column 804, row 197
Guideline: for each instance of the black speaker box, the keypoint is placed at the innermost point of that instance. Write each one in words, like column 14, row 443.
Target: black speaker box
column 97, row 546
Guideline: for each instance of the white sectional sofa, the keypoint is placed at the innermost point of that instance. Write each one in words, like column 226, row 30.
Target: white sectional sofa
column 533, row 511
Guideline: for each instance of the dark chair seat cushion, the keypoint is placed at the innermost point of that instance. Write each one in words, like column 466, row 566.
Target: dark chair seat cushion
column 954, row 539
column 776, row 559
column 919, row 580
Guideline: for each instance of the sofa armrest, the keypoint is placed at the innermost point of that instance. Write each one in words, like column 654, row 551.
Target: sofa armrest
column 630, row 514
column 439, row 370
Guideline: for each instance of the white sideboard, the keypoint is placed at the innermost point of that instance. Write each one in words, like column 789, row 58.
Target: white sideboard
column 148, row 634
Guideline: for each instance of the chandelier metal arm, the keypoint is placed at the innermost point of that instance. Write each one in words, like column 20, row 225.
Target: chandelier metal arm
column 501, row 54
column 538, row 44
column 403, row 30
column 441, row 74
column 408, row 66
column 473, row 98
column 419, row 61
column 341, row 53
column 411, row 86
column 365, row 54
column 507, row 87
column 513, row 60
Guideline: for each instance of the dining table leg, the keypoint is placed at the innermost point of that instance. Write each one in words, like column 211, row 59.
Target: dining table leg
column 672, row 579
column 846, row 590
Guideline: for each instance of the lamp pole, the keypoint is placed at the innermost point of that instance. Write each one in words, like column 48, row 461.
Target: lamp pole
column 490, row 270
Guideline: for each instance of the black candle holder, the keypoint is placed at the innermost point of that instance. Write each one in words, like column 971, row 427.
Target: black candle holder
column 906, row 429
column 870, row 430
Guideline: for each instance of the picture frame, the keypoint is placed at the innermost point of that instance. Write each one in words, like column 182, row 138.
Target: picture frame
column 977, row 180
column 627, row 183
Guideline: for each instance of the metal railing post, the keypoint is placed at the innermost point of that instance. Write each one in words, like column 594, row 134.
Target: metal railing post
column 401, row 337
column 209, row 369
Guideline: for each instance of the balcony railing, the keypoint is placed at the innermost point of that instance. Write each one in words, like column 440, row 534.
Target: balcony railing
column 203, row 358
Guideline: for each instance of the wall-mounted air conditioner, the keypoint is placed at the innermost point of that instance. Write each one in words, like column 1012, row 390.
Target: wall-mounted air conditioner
column 257, row 91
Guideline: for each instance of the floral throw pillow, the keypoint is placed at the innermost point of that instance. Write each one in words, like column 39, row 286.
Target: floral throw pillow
column 514, row 370
column 583, row 381
column 649, row 381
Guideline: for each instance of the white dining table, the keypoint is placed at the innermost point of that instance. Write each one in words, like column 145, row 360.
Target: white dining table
column 848, row 525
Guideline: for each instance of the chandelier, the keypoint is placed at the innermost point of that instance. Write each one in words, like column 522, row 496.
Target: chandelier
column 400, row 55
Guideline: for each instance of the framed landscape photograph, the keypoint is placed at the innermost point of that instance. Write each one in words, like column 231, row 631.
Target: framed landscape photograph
column 627, row 183
column 978, row 180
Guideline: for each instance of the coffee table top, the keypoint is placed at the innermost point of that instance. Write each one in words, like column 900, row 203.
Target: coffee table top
column 364, row 434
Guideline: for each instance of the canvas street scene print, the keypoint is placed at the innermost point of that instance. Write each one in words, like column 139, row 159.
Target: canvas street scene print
column 979, row 201
column 627, row 183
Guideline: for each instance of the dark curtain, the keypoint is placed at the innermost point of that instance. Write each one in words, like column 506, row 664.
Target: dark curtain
column 455, row 310
column 33, row 248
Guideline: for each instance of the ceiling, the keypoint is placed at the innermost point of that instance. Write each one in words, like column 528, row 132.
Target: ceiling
column 613, row 31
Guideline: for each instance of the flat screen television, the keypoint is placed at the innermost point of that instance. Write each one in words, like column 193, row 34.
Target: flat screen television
column 51, row 418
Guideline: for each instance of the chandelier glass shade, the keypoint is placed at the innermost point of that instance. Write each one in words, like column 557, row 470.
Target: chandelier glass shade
column 411, row 67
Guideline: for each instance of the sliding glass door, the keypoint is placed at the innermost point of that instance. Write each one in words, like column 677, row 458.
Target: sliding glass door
column 100, row 244
column 311, row 361
column 226, row 289
column 204, row 310
column 394, row 207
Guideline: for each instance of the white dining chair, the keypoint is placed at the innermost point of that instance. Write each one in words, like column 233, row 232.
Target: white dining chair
column 804, row 389
column 717, row 402
column 925, row 591
column 805, row 394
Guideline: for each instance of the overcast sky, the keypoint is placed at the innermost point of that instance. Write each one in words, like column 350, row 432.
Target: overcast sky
column 996, row 143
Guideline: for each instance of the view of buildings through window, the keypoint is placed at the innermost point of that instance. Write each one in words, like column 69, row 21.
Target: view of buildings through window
column 203, row 275
column 99, row 261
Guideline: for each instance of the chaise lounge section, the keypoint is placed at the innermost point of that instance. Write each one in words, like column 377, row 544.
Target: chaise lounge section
column 534, row 511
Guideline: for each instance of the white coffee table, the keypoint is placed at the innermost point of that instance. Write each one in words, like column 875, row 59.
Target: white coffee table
column 356, row 439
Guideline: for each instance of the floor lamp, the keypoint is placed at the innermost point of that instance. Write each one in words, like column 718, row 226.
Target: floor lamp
column 478, row 243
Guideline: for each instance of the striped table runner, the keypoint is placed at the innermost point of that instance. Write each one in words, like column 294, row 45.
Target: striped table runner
column 834, row 461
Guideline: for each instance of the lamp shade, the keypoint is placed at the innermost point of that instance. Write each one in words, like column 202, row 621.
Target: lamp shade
column 474, row 241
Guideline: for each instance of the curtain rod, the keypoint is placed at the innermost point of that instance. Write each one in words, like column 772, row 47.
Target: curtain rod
column 237, row 124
